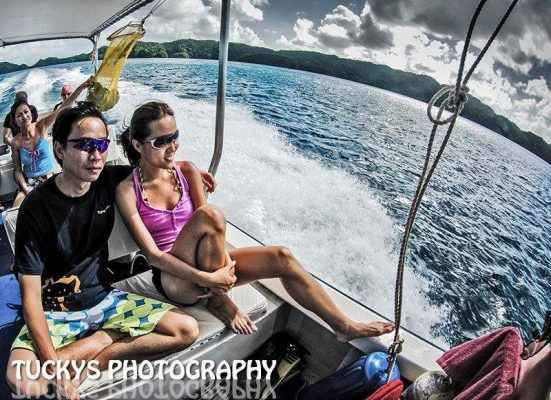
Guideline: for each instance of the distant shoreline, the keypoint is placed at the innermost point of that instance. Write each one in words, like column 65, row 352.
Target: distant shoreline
column 419, row 87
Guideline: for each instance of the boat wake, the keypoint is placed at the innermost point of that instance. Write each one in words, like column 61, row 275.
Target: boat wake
column 331, row 220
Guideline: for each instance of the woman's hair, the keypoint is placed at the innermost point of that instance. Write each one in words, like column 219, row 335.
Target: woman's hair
column 16, row 104
column 140, row 128
column 67, row 117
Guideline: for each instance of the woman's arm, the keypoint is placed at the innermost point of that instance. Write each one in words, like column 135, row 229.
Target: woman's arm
column 126, row 203
column 7, row 136
column 195, row 183
column 44, row 123
column 17, row 171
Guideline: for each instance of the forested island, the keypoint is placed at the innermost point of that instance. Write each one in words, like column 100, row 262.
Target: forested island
column 420, row 87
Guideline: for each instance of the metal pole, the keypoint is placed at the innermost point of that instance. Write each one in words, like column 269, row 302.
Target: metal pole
column 221, row 95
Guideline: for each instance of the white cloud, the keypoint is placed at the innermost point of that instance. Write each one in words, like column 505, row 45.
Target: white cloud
column 343, row 17
column 414, row 49
column 539, row 88
column 245, row 35
column 198, row 19
column 246, row 10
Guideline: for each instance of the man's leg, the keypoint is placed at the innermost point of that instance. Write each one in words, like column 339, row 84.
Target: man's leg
column 254, row 263
column 202, row 243
column 83, row 349
column 175, row 331
column 89, row 347
column 25, row 385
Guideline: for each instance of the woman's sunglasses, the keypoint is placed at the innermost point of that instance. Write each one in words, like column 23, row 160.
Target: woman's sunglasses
column 90, row 145
column 162, row 142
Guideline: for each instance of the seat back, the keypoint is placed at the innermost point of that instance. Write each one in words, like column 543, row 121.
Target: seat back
column 120, row 242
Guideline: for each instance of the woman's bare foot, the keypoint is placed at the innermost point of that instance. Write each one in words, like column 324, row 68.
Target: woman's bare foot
column 226, row 311
column 357, row 330
column 534, row 380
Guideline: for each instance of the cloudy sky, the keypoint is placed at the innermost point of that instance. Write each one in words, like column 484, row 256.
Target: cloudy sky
column 422, row 36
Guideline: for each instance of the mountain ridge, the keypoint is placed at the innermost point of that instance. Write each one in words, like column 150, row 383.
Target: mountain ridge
column 416, row 86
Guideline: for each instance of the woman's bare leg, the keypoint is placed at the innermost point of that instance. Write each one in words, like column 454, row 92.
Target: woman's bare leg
column 262, row 262
column 201, row 243
column 534, row 381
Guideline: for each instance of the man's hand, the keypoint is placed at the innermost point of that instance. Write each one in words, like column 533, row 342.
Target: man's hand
column 222, row 280
column 65, row 390
column 208, row 181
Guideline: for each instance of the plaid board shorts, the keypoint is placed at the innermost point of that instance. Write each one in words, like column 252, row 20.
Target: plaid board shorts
column 120, row 311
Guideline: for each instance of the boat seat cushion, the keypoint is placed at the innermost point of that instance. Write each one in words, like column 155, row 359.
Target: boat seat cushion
column 247, row 298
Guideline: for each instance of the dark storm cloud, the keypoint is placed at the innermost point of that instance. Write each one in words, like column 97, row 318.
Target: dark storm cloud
column 423, row 68
column 334, row 42
column 520, row 57
column 538, row 69
column 390, row 10
column 452, row 18
column 373, row 36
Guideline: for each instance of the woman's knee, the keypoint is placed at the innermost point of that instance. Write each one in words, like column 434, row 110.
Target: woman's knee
column 213, row 216
column 286, row 261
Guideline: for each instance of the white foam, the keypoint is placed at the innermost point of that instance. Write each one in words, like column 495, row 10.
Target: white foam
column 36, row 85
column 6, row 85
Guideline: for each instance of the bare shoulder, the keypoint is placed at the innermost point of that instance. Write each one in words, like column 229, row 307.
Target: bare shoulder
column 125, row 189
column 187, row 167
column 16, row 142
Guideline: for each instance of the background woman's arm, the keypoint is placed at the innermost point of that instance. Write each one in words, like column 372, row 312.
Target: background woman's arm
column 44, row 123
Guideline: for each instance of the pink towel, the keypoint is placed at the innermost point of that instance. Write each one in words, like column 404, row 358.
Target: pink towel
column 485, row 368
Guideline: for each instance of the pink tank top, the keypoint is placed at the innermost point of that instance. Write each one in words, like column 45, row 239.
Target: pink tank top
column 164, row 225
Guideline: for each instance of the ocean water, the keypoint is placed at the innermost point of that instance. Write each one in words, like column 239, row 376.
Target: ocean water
column 328, row 167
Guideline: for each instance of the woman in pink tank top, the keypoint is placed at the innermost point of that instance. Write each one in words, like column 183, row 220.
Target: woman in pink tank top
column 164, row 206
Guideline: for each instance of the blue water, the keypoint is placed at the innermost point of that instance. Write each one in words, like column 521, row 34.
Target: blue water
column 327, row 167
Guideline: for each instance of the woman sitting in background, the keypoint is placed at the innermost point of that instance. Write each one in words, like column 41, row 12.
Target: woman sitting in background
column 31, row 153
column 164, row 207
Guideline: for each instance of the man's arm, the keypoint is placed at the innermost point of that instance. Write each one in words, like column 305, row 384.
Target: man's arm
column 33, row 312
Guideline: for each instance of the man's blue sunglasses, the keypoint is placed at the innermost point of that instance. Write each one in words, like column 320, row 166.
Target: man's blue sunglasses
column 90, row 145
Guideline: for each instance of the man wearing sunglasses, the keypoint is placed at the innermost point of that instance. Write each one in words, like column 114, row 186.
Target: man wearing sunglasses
column 61, row 258
column 66, row 91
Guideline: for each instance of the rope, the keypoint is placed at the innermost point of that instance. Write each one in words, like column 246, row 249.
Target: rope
column 153, row 9
column 455, row 101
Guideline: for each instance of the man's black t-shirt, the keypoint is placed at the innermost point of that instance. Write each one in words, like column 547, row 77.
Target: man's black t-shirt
column 65, row 240
column 8, row 123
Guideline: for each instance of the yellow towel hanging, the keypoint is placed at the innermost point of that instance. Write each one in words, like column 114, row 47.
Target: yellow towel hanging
column 104, row 92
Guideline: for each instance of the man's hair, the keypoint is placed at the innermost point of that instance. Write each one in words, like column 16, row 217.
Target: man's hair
column 68, row 116
column 21, row 95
